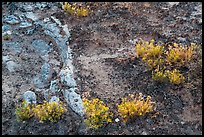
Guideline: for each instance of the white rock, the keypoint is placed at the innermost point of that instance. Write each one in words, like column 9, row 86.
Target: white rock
column 11, row 66
column 74, row 100
column 31, row 16
column 29, row 97
column 117, row 120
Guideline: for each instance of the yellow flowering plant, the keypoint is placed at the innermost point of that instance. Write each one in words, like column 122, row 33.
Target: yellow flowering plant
column 159, row 75
column 179, row 55
column 24, row 111
column 97, row 113
column 75, row 10
column 49, row 111
column 135, row 105
column 175, row 76
column 150, row 53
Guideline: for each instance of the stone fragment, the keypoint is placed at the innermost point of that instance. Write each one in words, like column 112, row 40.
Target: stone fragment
column 46, row 72
column 25, row 24
column 32, row 16
column 11, row 19
column 54, row 99
column 54, row 86
column 41, row 46
column 11, row 66
column 68, row 80
column 29, row 97
column 42, row 81
column 74, row 100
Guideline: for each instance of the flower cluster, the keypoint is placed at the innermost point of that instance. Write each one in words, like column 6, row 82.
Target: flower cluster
column 97, row 113
column 179, row 55
column 175, row 76
column 49, row 111
column 75, row 9
column 135, row 105
column 46, row 111
column 156, row 57
column 150, row 53
column 159, row 75
column 24, row 111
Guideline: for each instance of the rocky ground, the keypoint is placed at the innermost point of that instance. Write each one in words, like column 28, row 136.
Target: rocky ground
column 102, row 64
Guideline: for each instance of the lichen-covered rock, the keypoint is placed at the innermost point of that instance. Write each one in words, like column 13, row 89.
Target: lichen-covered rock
column 54, row 86
column 41, row 46
column 54, row 99
column 25, row 24
column 14, row 46
column 67, row 79
column 11, row 19
column 46, row 72
column 12, row 66
column 44, row 78
column 32, row 16
column 29, row 97
column 74, row 100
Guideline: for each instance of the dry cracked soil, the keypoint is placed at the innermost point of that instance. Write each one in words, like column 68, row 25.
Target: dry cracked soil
column 105, row 66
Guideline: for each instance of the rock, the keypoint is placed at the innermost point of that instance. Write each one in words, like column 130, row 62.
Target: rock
column 54, row 86
column 11, row 66
column 68, row 80
column 54, row 99
column 5, row 59
column 30, row 31
column 11, row 19
column 46, row 72
column 25, row 24
column 15, row 46
column 46, row 94
column 117, row 120
column 37, row 81
column 74, row 100
column 41, row 46
column 6, row 28
column 29, row 97
column 144, row 133
column 28, row 7
column 32, row 16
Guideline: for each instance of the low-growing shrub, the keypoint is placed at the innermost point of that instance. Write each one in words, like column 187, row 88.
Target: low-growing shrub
column 24, row 111
column 49, row 111
column 179, row 55
column 97, row 113
column 75, row 9
column 159, row 75
column 135, row 105
column 175, row 76
column 150, row 53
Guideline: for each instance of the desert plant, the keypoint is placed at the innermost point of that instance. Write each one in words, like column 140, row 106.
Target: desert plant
column 97, row 113
column 159, row 75
column 75, row 10
column 24, row 111
column 175, row 76
column 150, row 53
column 179, row 55
column 135, row 105
column 49, row 111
